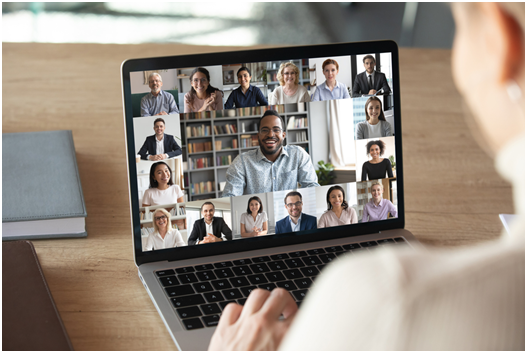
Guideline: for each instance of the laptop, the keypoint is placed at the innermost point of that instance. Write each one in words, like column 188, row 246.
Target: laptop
column 224, row 201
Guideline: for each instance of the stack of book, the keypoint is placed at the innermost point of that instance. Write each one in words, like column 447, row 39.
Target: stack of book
column 199, row 147
column 202, row 187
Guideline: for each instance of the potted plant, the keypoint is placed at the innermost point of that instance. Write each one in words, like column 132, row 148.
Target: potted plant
column 325, row 173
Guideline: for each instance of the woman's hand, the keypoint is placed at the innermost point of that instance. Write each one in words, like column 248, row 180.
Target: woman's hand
column 256, row 326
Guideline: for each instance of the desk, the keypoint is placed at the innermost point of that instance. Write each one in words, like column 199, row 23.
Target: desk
column 453, row 194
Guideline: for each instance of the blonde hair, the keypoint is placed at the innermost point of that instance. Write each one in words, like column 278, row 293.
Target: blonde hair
column 284, row 65
column 168, row 219
column 377, row 183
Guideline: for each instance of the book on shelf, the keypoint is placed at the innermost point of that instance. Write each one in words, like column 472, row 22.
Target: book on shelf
column 201, row 162
column 224, row 160
column 235, row 144
column 199, row 147
column 297, row 122
column 48, row 201
column 202, row 187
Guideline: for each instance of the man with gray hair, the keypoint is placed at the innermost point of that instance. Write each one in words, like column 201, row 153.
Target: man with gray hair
column 157, row 102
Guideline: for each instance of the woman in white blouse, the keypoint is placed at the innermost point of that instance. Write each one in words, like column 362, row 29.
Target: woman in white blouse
column 254, row 222
column 375, row 125
column 164, row 236
column 161, row 190
column 290, row 91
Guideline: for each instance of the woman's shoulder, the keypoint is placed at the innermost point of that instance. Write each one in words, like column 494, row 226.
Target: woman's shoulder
column 301, row 88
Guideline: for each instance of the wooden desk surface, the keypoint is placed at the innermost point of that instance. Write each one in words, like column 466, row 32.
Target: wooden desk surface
column 453, row 194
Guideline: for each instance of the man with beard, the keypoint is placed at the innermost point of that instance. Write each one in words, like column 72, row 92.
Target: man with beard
column 157, row 102
column 297, row 220
column 271, row 167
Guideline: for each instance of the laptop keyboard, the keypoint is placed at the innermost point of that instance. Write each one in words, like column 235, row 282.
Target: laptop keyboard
column 200, row 293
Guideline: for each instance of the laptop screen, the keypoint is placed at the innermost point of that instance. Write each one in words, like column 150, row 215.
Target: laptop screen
column 230, row 149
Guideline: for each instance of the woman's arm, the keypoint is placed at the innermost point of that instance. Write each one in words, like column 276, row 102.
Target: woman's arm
column 264, row 230
column 187, row 107
column 389, row 168
column 353, row 216
column 363, row 172
column 246, row 234
column 388, row 129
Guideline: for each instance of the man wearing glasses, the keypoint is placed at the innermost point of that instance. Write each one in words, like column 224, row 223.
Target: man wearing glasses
column 297, row 220
column 271, row 167
column 158, row 102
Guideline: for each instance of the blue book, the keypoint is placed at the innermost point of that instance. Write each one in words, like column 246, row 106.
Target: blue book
column 41, row 192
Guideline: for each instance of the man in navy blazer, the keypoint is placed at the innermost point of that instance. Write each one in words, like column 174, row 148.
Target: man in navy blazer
column 370, row 81
column 159, row 146
column 209, row 229
column 297, row 220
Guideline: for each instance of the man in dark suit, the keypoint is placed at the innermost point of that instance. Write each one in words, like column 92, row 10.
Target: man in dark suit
column 209, row 229
column 297, row 220
column 370, row 81
column 159, row 146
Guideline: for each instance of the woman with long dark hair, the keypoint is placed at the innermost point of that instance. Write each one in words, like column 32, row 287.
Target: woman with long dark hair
column 202, row 96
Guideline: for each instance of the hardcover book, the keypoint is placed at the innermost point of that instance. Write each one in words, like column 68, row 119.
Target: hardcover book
column 42, row 195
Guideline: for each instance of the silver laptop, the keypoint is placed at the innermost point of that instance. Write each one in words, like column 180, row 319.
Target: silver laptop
column 256, row 169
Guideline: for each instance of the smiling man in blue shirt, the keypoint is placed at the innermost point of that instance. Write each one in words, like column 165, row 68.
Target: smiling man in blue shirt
column 246, row 95
column 271, row 167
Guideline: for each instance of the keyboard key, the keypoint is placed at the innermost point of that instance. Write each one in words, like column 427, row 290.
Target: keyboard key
column 309, row 271
column 180, row 290
column 232, row 294
column 223, row 304
column 352, row 247
column 400, row 240
column 247, row 290
column 187, row 300
column 242, row 262
column 311, row 260
column 316, row 251
column 239, row 281
column 269, row 286
column 211, row 321
column 206, row 275
column 294, row 263
column 169, row 281
column 257, row 279
column 277, row 265
column 321, row 267
column 185, row 270
column 286, row 285
column 292, row 274
column 261, row 259
column 300, row 294
column 224, row 273
column 242, row 301
column 369, row 243
column 203, row 287
column 215, row 296
column 303, row 283
column 386, row 241
column 275, row 276
column 281, row 256
column 204, row 267
column 329, row 257
column 333, row 249
column 221, row 284
column 259, row 268
column 165, row 272
column 245, row 270
column 194, row 323
column 210, row 308
column 223, row 264
column 298, row 254
column 187, row 278
column 189, row 312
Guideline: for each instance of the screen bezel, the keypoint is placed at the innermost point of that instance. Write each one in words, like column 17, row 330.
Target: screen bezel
column 259, row 55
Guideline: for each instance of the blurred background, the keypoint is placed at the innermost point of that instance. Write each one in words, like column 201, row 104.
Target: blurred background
column 424, row 25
